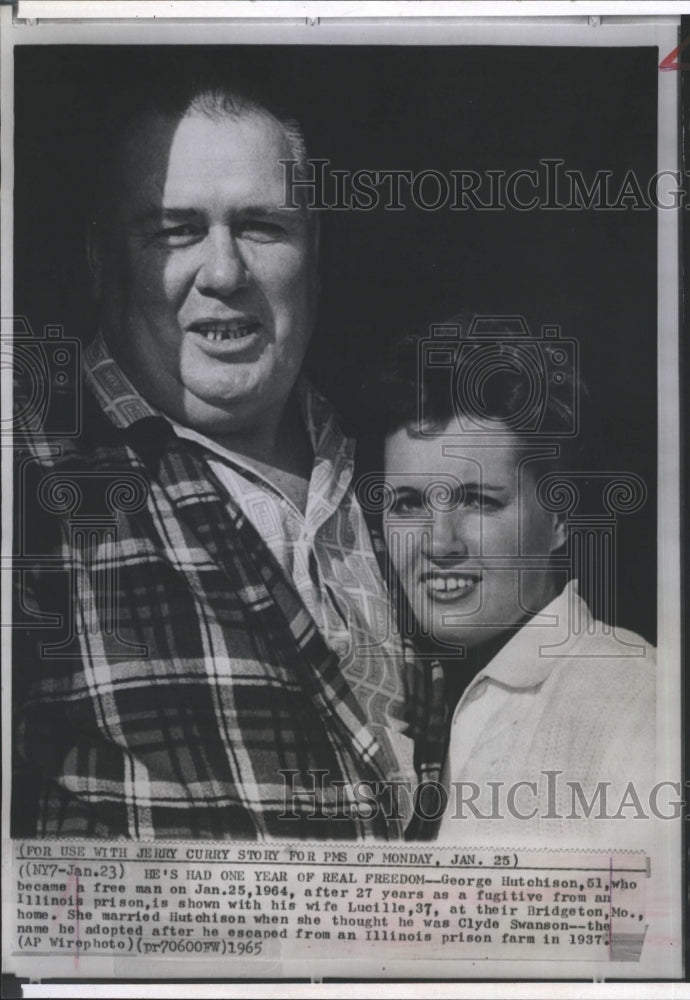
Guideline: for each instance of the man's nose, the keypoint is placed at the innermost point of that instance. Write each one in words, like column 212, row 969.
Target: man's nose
column 223, row 269
column 447, row 536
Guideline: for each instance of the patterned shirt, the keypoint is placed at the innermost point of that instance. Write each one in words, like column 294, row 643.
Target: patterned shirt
column 326, row 552
column 193, row 684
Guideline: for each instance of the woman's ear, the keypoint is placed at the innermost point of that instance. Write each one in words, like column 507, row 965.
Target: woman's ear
column 560, row 532
column 94, row 256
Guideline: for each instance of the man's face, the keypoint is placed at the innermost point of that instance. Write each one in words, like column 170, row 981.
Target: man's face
column 208, row 285
column 462, row 562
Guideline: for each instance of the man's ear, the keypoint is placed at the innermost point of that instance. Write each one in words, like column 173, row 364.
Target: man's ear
column 315, row 225
column 316, row 230
column 560, row 531
column 94, row 256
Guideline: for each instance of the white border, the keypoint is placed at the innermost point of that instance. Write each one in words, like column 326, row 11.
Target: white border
column 384, row 991
column 361, row 9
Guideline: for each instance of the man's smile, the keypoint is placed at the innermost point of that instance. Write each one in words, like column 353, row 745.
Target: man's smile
column 227, row 338
column 225, row 329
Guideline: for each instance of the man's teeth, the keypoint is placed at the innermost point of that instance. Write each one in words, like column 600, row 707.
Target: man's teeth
column 227, row 331
column 451, row 583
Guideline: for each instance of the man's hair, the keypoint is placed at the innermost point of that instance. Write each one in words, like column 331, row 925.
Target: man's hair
column 503, row 379
column 219, row 101
column 213, row 94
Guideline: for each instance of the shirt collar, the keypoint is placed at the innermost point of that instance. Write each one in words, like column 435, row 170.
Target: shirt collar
column 124, row 406
column 530, row 655
column 116, row 395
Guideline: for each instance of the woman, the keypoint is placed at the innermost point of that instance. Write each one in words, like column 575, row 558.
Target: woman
column 551, row 712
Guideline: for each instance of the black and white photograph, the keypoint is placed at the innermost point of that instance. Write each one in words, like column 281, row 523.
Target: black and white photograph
column 341, row 503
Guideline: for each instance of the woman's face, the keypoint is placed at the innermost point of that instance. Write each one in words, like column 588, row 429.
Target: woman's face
column 466, row 533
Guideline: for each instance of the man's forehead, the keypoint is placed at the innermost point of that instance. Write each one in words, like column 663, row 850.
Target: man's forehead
column 153, row 142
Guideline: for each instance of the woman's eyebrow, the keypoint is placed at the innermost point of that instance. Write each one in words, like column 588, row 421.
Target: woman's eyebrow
column 477, row 486
column 403, row 489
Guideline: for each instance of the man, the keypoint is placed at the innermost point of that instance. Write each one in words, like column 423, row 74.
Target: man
column 232, row 670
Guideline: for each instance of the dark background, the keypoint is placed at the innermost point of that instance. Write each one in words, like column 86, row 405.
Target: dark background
column 386, row 273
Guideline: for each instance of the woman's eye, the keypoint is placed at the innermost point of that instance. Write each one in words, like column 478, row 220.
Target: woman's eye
column 481, row 501
column 406, row 505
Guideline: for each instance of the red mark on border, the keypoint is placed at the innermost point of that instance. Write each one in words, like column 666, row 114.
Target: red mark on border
column 610, row 909
column 72, row 880
column 671, row 60
column 77, row 939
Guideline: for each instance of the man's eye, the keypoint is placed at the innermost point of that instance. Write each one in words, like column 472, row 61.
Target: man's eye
column 260, row 231
column 178, row 235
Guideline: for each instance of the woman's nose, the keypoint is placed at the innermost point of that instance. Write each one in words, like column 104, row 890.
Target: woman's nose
column 447, row 537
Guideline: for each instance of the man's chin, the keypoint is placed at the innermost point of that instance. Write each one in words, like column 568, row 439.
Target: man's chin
column 225, row 412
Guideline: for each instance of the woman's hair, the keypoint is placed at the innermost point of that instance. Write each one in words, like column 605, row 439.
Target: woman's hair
column 483, row 375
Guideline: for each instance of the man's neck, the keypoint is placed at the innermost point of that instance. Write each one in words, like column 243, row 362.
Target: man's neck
column 280, row 452
column 277, row 445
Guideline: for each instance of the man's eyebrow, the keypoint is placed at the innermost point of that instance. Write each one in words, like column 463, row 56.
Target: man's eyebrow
column 269, row 212
column 155, row 213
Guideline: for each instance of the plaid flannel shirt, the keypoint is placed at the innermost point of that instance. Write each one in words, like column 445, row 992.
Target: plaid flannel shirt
column 168, row 680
